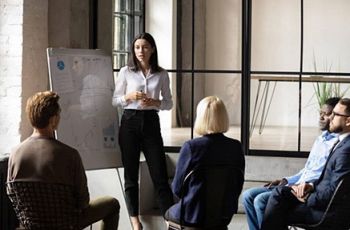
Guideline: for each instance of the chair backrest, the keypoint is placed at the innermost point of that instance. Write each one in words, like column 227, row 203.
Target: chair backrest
column 336, row 215
column 219, row 194
column 41, row 205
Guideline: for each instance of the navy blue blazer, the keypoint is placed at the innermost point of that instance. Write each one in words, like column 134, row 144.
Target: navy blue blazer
column 338, row 165
column 207, row 150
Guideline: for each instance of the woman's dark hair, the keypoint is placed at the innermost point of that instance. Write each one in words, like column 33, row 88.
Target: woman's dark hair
column 153, row 61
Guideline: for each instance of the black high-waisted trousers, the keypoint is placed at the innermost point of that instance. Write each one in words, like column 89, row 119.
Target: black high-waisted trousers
column 140, row 131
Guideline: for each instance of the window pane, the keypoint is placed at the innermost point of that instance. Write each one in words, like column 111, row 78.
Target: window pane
column 184, row 45
column 119, row 60
column 326, row 36
column 122, row 5
column 218, row 34
column 275, row 35
column 274, row 113
column 160, row 23
column 176, row 124
column 309, row 115
column 138, row 5
column 183, row 97
column 228, row 88
column 225, row 86
column 137, row 25
column 121, row 33
column 311, row 104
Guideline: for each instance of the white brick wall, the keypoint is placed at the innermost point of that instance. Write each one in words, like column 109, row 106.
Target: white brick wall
column 11, row 27
column 23, row 67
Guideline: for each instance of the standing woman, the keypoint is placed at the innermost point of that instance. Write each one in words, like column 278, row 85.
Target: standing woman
column 138, row 89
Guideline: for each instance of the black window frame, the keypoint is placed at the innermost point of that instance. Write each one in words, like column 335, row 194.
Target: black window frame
column 246, row 73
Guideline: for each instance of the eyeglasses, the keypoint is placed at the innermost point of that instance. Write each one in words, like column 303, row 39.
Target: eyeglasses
column 339, row 114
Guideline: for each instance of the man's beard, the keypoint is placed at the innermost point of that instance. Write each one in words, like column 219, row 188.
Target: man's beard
column 338, row 129
column 325, row 127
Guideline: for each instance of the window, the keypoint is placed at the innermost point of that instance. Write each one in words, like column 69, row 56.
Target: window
column 298, row 47
column 264, row 58
column 128, row 19
column 207, row 62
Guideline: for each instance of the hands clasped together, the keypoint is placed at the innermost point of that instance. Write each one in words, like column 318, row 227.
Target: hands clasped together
column 300, row 191
column 145, row 101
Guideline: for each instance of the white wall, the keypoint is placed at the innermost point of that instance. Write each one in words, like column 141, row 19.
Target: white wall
column 161, row 23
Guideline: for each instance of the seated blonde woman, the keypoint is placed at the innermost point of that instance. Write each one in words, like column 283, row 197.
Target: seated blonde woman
column 211, row 148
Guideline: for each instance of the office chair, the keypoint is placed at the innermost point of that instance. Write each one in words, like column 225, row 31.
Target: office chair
column 41, row 205
column 221, row 183
column 337, row 214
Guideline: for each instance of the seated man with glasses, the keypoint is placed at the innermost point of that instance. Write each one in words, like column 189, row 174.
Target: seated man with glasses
column 305, row 203
column 338, row 114
column 255, row 199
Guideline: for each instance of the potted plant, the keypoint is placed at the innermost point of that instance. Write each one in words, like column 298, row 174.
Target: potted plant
column 325, row 90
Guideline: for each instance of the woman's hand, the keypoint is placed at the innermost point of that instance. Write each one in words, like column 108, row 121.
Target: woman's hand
column 150, row 102
column 134, row 96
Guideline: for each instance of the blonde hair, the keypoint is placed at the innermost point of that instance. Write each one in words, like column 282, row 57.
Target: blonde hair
column 41, row 107
column 211, row 117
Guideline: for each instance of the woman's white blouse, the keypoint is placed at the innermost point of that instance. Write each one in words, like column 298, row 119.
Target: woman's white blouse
column 154, row 85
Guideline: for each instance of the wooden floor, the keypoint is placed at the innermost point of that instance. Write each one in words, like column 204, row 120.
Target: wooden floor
column 271, row 138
